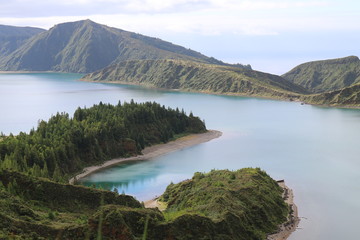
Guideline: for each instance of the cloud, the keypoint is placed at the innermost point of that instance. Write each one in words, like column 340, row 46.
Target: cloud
column 246, row 31
column 199, row 17
column 35, row 8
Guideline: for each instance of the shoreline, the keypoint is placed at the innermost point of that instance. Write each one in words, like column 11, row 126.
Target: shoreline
column 299, row 98
column 288, row 227
column 275, row 98
column 296, row 98
column 153, row 151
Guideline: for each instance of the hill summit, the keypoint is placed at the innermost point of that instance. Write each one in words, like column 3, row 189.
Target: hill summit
column 85, row 46
column 326, row 75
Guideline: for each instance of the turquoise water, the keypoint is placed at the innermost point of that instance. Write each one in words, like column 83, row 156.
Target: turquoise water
column 316, row 150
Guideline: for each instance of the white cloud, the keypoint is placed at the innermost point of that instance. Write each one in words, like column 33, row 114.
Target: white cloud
column 227, row 29
column 202, row 17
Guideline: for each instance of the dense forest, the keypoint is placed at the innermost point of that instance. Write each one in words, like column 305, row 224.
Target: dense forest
column 64, row 145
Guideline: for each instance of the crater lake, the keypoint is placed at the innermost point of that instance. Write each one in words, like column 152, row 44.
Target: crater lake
column 316, row 150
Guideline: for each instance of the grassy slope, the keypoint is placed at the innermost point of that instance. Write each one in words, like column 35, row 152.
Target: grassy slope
column 346, row 97
column 33, row 207
column 245, row 204
column 85, row 46
column 13, row 37
column 326, row 75
column 195, row 76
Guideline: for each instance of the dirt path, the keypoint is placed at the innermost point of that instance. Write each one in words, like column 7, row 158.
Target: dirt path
column 154, row 151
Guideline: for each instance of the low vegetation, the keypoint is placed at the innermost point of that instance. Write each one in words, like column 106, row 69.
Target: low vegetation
column 345, row 97
column 244, row 204
column 326, row 75
column 194, row 76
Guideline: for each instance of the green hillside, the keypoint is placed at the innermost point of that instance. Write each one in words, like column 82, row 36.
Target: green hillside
column 245, row 204
column 13, row 37
column 195, row 76
column 36, row 208
column 326, row 75
column 345, row 97
column 86, row 46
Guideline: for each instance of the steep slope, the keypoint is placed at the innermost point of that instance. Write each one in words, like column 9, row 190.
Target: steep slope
column 327, row 75
column 195, row 76
column 85, row 46
column 13, row 37
column 345, row 97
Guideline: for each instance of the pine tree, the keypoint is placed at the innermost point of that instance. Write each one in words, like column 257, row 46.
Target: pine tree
column 35, row 171
column 57, row 174
column 45, row 171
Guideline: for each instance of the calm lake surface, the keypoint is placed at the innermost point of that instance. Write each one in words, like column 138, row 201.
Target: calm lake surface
column 316, row 150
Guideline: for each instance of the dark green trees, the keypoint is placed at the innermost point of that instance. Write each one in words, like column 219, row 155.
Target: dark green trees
column 65, row 145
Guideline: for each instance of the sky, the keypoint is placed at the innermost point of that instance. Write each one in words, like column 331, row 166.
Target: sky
column 271, row 35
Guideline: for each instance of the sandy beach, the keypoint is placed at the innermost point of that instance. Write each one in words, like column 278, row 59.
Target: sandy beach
column 291, row 224
column 154, row 151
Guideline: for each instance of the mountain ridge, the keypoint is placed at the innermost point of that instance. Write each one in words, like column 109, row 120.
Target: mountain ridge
column 85, row 46
column 88, row 47
column 200, row 77
column 345, row 97
column 11, row 37
column 326, row 75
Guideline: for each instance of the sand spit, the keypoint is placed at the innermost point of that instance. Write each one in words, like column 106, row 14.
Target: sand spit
column 154, row 151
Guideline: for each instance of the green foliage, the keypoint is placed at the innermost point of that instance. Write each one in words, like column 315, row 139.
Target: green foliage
column 327, row 75
column 51, row 215
column 348, row 97
column 64, row 145
column 194, row 76
column 245, row 204
column 36, row 208
column 144, row 237
column 248, row 202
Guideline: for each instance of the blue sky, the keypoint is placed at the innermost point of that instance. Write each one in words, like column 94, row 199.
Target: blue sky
column 273, row 35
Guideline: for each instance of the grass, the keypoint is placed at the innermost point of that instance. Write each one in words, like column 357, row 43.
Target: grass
column 171, row 215
column 200, row 77
column 248, row 195
column 221, row 204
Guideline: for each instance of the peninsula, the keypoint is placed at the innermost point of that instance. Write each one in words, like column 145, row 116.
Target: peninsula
column 153, row 151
